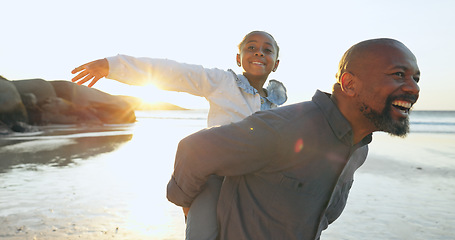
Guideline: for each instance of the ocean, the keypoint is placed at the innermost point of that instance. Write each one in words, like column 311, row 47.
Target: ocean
column 442, row 122
column 108, row 182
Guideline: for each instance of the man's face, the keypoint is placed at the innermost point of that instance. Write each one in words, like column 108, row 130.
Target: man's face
column 388, row 87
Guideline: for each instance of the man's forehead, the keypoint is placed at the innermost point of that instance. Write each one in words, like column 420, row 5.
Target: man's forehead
column 398, row 56
column 386, row 53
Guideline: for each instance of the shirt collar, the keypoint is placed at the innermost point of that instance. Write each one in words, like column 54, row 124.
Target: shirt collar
column 340, row 126
column 276, row 92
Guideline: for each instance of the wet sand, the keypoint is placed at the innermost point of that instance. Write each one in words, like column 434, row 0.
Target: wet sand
column 111, row 185
column 405, row 190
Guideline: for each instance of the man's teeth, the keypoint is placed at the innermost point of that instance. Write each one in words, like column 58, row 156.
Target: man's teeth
column 402, row 105
column 258, row 63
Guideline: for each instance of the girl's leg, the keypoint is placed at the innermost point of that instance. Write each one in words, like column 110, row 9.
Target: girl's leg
column 202, row 223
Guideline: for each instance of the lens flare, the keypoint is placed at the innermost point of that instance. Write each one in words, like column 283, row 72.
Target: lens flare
column 298, row 145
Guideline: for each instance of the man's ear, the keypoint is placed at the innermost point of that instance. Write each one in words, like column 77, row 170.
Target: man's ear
column 238, row 60
column 347, row 82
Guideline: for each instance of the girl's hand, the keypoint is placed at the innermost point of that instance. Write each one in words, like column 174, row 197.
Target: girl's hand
column 92, row 71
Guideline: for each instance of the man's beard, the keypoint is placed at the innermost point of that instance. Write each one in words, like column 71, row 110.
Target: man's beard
column 383, row 121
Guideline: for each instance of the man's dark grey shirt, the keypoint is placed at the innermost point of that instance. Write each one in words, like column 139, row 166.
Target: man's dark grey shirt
column 288, row 170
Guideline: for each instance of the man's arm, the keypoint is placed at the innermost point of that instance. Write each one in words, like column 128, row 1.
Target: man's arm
column 236, row 149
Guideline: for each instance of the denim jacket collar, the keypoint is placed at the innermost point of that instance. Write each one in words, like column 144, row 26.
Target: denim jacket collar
column 276, row 92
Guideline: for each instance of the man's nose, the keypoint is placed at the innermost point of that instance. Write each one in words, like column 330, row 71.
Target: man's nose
column 411, row 86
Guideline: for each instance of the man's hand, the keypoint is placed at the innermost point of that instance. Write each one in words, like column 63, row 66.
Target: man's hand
column 92, row 71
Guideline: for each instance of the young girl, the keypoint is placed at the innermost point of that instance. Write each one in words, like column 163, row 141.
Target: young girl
column 231, row 96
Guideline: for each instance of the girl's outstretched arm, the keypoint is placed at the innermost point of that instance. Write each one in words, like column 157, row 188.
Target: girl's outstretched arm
column 92, row 71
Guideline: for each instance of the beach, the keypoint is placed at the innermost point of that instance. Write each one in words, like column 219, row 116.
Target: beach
column 70, row 182
column 405, row 190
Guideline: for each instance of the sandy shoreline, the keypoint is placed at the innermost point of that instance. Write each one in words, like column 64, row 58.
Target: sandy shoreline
column 405, row 190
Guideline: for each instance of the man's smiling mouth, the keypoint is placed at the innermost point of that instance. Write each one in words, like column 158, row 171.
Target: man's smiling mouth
column 403, row 106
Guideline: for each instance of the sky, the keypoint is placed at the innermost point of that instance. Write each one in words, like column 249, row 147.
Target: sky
column 47, row 39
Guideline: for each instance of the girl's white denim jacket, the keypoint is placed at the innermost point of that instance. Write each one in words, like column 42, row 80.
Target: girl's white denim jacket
column 230, row 95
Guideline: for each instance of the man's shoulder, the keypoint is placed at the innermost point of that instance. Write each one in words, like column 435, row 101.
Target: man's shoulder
column 289, row 115
column 296, row 110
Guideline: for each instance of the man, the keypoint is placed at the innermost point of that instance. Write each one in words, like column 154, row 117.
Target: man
column 288, row 171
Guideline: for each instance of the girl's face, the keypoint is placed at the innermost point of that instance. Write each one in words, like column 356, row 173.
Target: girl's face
column 258, row 56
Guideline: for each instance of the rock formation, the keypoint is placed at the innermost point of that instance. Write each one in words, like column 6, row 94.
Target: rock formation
column 25, row 104
column 12, row 111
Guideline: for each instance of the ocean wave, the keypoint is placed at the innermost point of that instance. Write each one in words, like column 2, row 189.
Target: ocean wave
column 434, row 123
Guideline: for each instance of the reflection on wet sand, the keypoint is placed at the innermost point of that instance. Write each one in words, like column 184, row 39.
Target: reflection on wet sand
column 57, row 152
column 71, row 182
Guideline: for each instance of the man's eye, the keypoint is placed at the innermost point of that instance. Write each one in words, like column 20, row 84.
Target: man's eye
column 399, row 74
column 268, row 50
column 251, row 47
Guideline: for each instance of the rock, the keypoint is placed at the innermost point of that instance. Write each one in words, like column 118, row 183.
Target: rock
column 40, row 88
column 108, row 108
column 23, row 127
column 4, row 129
column 33, row 110
column 82, row 95
column 11, row 107
column 40, row 102
column 60, row 111
column 29, row 99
